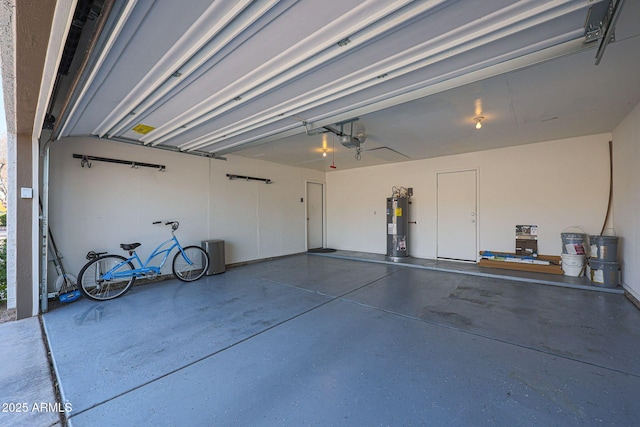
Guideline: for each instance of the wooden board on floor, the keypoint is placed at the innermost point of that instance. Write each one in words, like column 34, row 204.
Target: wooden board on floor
column 554, row 268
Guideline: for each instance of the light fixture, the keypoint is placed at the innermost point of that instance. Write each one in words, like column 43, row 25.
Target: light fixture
column 324, row 144
column 478, row 121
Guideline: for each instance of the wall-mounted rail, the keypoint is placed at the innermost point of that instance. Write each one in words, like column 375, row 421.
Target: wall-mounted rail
column 86, row 161
column 249, row 178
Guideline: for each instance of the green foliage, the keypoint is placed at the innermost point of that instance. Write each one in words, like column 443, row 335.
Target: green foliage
column 3, row 220
column 3, row 270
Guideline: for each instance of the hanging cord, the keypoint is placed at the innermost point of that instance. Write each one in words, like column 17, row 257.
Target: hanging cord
column 606, row 217
column 333, row 153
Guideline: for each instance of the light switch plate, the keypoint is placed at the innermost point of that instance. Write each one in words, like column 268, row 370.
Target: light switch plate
column 26, row 193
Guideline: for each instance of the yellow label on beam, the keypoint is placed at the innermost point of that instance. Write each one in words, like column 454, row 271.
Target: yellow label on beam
column 142, row 129
column 398, row 211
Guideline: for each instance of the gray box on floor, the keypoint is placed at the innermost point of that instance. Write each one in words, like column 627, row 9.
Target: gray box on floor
column 215, row 250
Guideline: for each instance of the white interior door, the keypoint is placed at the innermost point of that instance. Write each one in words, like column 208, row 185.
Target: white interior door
column 314, row 215
column 457, row 216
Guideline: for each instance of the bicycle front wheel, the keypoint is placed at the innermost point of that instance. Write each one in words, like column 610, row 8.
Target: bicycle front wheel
column 92, row 284
column 193, row 266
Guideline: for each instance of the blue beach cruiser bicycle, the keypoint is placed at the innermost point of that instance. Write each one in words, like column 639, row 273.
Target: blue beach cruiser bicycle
column 110, row 276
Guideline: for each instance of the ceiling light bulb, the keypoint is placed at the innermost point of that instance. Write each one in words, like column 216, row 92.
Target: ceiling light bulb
column 478, row 121
column 324, row 154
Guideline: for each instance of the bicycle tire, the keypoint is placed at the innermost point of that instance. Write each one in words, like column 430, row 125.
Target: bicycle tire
column 90, row 284
column 190, row 272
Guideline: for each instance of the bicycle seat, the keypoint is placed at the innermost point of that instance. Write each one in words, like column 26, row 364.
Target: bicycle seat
column 129, row 246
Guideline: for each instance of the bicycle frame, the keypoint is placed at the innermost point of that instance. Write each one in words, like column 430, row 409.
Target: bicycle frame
column 145, row 269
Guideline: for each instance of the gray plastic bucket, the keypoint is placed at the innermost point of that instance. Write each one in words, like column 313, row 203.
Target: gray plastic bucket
column 604, row 274
column 604, row 248
column 573, row 243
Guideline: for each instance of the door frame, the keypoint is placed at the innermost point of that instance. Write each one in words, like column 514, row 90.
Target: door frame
column 323, row 211
column 477, row 172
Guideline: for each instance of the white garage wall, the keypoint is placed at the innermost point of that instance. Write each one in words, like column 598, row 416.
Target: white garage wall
column 108, row 204
column 626, row 194
column 553, row 185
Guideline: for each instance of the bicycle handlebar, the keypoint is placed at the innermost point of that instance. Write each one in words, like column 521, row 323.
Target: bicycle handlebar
column 174, row 224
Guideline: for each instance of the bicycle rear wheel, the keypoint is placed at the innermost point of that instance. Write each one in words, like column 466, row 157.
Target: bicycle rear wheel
column 94, row 287
column 193, row 267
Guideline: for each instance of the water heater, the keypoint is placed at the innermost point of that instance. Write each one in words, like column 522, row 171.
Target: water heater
column 398, row 225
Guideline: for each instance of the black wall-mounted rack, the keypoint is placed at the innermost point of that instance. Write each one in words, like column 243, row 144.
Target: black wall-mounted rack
column 249, row 178
column 86, row 161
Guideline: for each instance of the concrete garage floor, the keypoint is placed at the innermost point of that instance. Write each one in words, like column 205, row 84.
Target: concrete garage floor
column 315, row 340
